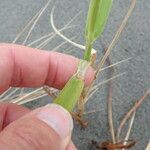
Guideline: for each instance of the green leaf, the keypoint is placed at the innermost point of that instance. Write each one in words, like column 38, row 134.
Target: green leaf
column 97, row 18
column 70, row 94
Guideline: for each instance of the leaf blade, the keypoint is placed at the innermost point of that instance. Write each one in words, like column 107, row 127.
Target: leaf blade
column 97, row 17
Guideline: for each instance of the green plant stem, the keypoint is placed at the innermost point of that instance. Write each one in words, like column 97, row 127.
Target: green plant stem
column 73, row 88
column 87, row 54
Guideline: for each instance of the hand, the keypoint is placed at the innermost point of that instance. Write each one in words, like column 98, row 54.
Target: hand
column 45, row 128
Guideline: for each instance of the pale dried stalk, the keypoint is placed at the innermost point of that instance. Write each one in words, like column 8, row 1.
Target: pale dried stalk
column 40, row 39
column 3, row 94
column 114, row 41
column 27, row 95
column 110, row 95
column 26, row 26
column 63, row 43
column 64, row 37
column 117, row 63
column 129, row 129
column 37, row 15
column 67, row 26
column 35, row 19
column 92, row 111
column 11, row 93
column 116, row 37
column 130, row 112
column 38, row 96
column 107, row 80
column 44, row 43
column 109, row 105
column 35, row 22
column 31, row 29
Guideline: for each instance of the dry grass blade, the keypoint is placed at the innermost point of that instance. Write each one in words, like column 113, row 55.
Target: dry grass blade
column 114, row 41
column 35, row 19
column 92, row 111
column 26, row 95
column 64, row 37
column 116, row 37
column 62, row 44
column 40, row 39
column 115, row 64
column 96, row 87
column 50, row 34
column 34, row 97
column 10, row 94
column 44, row 43
column 71, row 20
column 129, row 130
column 130, row 112
column 103, row 60
column 3, row 95
column 110, row 95
column 109, row 105
column 30, row 98
column 26, row 26
column 35, row 22
column 45, row 91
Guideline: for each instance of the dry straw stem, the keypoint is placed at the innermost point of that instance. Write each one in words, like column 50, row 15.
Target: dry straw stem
column 11, row 93
column 97, row 87
column 32, row 22
column 129, row 129
column 114, row 41
column 131, row 111
column 64, row 37
column 116, row 37
column 35, row 22
column 32, row 27
column 36, row 95
column 67, row 26
column 109, row 105
column 110, row 95
column 52, row 33
column 3, row 95
column 26, row 26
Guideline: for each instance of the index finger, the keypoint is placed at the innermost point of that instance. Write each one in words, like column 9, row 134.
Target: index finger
column 22, row 66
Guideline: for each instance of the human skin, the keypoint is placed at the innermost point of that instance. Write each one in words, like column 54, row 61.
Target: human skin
column 21, row 128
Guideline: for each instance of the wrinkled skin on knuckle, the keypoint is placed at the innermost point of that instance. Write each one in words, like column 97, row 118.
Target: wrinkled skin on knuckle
column 33, row 135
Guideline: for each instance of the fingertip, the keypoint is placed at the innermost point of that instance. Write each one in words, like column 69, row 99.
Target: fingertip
column 57, row 118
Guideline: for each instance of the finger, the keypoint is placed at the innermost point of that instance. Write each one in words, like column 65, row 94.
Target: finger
column 71, row 146
column 10, row 112
column 43, row 129
column 27, row 67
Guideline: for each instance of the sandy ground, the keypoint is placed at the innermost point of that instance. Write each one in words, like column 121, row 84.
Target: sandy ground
column 134, row 43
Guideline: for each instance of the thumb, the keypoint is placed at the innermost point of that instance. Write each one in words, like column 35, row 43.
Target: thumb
column 46, row 128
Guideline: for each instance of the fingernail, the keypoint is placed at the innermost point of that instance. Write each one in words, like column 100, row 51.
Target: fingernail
column 57, row 118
